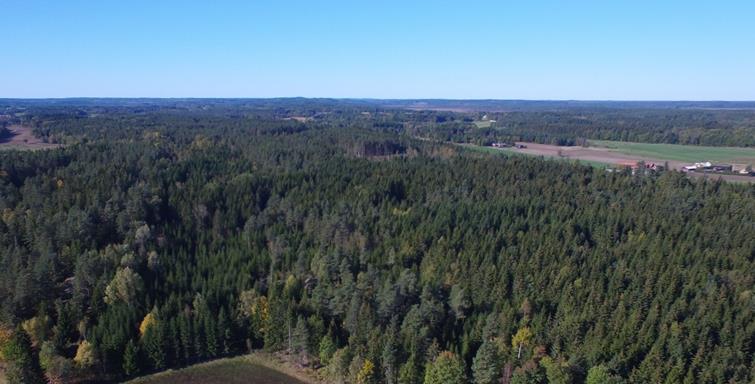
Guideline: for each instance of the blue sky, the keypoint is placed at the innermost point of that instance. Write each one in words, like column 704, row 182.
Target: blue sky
column 621, row 50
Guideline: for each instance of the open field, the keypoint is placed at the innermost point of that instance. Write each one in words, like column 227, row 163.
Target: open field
column 23, row 138
column 250, row 369
column 685, row 153
column 300, row 119
column 483, row 124
column 608, row 153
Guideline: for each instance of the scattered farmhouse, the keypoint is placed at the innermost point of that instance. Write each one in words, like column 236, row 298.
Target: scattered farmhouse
column 741, row 169
column 697, row 167
column 641, row 165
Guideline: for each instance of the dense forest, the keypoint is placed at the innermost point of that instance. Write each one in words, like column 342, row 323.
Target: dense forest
column 469, row 121
column 735, row 128
column 164, row 234
column 4, row 131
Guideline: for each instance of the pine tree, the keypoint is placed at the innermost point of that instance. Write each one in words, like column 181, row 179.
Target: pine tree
column 211, row 336
column 153, row 344
column 64, row 329
column 300, row 339
column 131, row 359
column 186, row 338
column 225, row 332
column 410, row 373
column 486, row 366
column 389, row 355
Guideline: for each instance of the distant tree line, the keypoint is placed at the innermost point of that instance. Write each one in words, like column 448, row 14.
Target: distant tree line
column 571, row 127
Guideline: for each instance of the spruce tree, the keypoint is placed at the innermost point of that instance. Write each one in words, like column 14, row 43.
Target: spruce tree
column 131, row 359
column 486, row 366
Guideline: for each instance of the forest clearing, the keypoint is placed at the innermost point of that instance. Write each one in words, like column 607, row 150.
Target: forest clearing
column 22, row 137
column 255, row 368
column 607, row 153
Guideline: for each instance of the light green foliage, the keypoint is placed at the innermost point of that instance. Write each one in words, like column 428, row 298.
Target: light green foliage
column 301, row 337
column 327, row 349
column 600, row 374
column 410, row 373
column 687, row 153
column 338, row 368
column 445, row 369
column 18, row 354
column 557, row 372
column 124, row 287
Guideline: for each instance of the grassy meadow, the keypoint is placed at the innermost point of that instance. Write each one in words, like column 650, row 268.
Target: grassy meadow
column 686, row 153
column 483, row 124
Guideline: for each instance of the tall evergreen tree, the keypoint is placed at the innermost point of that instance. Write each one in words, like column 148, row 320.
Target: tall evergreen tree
column 445, row 369
column 486, row 366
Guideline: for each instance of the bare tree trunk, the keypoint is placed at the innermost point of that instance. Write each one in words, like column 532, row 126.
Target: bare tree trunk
column 519, row 354
column 506, row 377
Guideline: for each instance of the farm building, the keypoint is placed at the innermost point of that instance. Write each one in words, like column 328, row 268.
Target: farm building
column 703, row 166
column 639, row 164
column 741, row 168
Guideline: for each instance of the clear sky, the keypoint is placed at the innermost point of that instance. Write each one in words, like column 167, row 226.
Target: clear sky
column 528, row 49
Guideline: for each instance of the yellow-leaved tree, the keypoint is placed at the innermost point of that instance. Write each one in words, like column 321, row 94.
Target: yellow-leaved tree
column 149, row 320
column 366, row 374
column 522, row 338
column 84, row 355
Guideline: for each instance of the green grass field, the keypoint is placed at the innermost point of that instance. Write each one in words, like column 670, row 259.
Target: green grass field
column 687, row 153
column 237, row 370
column 483, row 124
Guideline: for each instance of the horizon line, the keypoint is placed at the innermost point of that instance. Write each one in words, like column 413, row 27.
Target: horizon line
column 374, row 98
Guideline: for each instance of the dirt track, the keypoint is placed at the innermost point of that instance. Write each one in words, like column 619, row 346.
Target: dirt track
column 23, row 138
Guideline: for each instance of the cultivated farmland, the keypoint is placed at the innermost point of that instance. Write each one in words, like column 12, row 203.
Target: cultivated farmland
column 683, row 153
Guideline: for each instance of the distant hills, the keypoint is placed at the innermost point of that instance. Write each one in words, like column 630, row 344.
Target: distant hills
column 417, row 104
